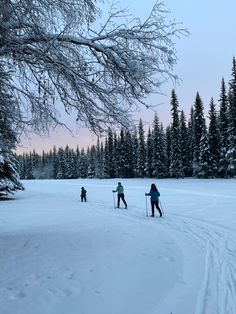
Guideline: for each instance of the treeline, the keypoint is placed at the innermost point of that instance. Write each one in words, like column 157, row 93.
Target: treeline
column 185, row 148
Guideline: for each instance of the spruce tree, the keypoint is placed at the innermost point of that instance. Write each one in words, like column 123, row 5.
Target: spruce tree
column 61, row 173
column 149, row 147
column 9, row 177
column 168, row 148
column 135, row 152
column 231, row 152
column 198, row 126
column 129, row 155
column 223, row 131
column 91, row 156
column 184, row 148
column 99, row 173
column 190, row 143
column 213, row 137
column 159, row 150
column 55, row 162
column 176, row 164
column 83, row 165
column 141, row 158
column 204, row 169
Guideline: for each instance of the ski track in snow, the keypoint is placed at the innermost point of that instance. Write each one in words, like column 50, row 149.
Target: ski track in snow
column 218, row 242
column 218, row 291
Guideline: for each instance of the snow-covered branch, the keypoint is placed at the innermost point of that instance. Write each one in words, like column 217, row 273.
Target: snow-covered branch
column 58, row 53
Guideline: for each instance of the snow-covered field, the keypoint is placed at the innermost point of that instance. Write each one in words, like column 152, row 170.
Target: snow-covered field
column 61, row 256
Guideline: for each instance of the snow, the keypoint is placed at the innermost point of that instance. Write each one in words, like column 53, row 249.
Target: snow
column 61, row 256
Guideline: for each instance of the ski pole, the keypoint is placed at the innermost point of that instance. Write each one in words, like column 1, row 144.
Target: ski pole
column 114, row 200
column 146, row 206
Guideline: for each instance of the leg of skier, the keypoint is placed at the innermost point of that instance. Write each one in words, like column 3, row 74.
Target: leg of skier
column 152, row 205
column 158, row 208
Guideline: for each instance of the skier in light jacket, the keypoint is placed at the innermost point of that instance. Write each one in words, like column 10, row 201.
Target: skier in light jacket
column 154, row 193
column 120, row 195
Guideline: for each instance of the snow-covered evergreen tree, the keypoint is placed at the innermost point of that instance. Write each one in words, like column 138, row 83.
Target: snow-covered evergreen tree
column 135, row 151
column 198, row 126
column 168, row 147
column 184, row 148
column 128, row 167
column 176, row 164
column 99, row 171
column 55, row 162
column 83, row 165
column 231, row 152
column 9, row 177
column 141, row 158
column 191, row 141
column 149, row 148
column 223, row 131
column 69, row 163
column 159, row 150
column 91, row 156
column 110, row 156
column 214, row 139
column 204, row 169
column 61, row 173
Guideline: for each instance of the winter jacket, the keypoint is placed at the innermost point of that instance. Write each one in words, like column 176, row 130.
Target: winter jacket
column 83, row 192
column 119, row 189
column 154, row 195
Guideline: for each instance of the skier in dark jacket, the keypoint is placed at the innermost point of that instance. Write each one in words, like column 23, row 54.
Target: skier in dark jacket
column 83, row 194
column 154, row 193
column 120, row 195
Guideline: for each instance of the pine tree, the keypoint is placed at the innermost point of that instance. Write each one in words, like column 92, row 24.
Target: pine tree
column 223, row 131
column 231, row 153
column 141, row 158
column 69, row 163
column 135, row 151
column 55, row 162
column 204, row 169
column 91, row 155
column 168, row 148
column 184, row 148
column 159, row 150
column 190, row 143
column 110, row 155
column 149, row 147
column 61, row 173
column 99, row 172
column 176, row 164
column 213, row 137
column 83, row 165
column 198, row 126
column 9, row 177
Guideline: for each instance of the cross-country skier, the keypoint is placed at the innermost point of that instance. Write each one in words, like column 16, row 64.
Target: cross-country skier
column 120, row 195
column 154, row 193
column 83, row 194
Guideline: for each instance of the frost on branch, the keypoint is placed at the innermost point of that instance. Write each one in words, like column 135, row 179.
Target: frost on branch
column 58, row 54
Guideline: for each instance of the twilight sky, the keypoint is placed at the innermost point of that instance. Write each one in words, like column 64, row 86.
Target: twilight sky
column 203, row 59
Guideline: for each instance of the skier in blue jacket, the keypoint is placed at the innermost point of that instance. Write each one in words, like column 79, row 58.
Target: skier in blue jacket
column 154, row 193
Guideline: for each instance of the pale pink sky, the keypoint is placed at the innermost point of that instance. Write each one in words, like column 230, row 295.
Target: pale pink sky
column 204, row 58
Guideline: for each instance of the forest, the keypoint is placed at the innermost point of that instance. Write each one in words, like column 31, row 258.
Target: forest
column 201, row 147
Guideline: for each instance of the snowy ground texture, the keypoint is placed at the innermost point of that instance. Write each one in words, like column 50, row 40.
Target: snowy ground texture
column 61, row 256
